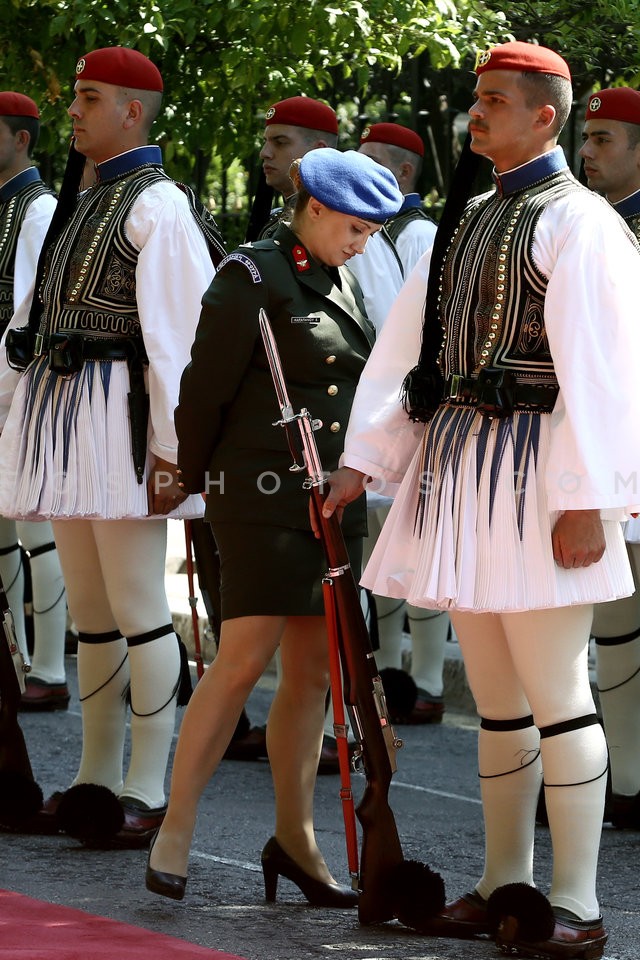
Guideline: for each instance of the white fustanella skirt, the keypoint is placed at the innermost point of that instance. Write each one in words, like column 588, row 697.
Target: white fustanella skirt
column 65, row 450
column 470, row 528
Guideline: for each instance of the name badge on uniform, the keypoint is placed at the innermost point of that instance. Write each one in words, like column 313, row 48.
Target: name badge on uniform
column 312, row 320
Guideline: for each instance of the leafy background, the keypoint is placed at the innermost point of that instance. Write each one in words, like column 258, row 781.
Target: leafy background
column 225, row 61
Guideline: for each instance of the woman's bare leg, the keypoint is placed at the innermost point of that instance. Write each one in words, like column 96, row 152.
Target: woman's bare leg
column 294, row 739
column 247, row 645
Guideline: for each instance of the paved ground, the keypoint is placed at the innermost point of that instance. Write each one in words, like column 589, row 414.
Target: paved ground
column 435, row 799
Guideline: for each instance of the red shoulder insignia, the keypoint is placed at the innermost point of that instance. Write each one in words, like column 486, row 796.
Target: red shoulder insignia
column 301, row 258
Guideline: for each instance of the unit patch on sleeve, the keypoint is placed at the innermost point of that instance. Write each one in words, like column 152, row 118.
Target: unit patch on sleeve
column 246, row 262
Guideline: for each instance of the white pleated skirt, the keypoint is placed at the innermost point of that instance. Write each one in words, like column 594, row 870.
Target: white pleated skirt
column 470, row 529
column 65, row 450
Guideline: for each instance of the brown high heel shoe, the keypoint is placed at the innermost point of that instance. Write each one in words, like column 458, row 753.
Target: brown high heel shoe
column 276, row 863
column 166, row 884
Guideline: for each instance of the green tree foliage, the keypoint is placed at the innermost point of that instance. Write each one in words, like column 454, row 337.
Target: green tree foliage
column 600, row 39
column 225, row 61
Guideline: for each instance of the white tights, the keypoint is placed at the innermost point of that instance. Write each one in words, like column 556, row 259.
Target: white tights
column 115, row 573
column 616, row 627
column 535, row 663
column 48, row 593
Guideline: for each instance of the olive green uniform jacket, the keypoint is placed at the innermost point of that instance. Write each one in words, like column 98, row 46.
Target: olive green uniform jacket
column 228, row 445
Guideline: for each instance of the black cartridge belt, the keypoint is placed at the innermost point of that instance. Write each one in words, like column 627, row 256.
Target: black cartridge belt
column 98, row 348
column 476, row 392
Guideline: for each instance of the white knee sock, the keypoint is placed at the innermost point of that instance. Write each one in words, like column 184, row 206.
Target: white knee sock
column 618, row 670
column 49, row 615
column 429, row 629
column 155, row 673
column 12, row 575
column 511, row 774
column 390, row 616
column 103, row 680
column 575, row 775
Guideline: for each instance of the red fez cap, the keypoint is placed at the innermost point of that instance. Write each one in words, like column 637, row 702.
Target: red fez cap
column 395, row 135
column 121, row 67
column 303, row 112
column 17, row 105
column 523, row 57
column 616, row 103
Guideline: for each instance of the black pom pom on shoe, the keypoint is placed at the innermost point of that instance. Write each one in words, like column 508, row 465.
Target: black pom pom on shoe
column 400, row 692
column 90, row 813
column 519, row 911
column 417, row 893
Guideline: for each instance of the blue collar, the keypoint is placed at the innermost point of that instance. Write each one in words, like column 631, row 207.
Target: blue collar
column 411, row 200
column 17, row 183
column 124, row 163
column 629, row 206
column 512, row 181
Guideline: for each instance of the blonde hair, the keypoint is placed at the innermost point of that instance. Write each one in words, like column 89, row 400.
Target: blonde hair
column 294, row 173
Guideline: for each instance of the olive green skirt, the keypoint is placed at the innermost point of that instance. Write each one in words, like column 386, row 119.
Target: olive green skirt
column 273, row 571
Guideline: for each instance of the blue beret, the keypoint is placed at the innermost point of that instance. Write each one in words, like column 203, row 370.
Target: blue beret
column 351, row 183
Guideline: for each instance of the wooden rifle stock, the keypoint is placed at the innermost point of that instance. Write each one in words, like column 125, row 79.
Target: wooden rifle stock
column 381, row 851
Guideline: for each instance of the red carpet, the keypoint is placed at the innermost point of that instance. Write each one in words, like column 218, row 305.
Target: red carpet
column 34, row 930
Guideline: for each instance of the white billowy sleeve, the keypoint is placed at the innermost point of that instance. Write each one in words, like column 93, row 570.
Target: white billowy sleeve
column 591, row 321
column 381, row 439
column 414, row 239
column 32, row 233
column 173, row 272
column 378, row 272
column 9, row 378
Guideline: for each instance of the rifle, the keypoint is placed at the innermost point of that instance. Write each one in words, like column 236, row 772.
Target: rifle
column 386, row 879
column 20, row 796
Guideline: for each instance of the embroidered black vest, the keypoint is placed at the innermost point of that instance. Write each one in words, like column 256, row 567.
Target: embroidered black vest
column 396, row 225
column 12, row 214
column 89, row 283
column 276, row 217
column 492, row 299
column 634, row 225
column 629, row 210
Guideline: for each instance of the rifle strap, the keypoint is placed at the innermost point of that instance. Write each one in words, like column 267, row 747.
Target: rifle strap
column 340, row 728
column 193, row 600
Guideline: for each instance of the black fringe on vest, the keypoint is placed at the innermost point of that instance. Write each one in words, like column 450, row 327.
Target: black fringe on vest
column 423, row 386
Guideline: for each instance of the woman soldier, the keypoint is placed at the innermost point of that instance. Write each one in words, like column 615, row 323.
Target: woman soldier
column 271, row 564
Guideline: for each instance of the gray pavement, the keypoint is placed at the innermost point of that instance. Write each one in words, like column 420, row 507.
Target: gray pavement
column 435, row 799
